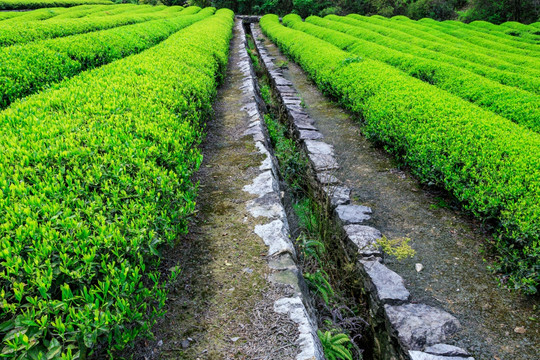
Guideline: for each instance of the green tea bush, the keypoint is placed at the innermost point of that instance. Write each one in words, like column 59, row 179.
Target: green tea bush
column 94, row 181
column 499, row 37
column 409, row 40
column 36, row 4
column 530, row 34
column 517, row 105
column 470, row 37
column 31, row 67
column 425, row 36
column 488, row 163
column 23, row 32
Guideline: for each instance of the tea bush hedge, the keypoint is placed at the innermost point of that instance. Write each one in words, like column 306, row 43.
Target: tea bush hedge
column 438, row 41
column 36, row 4
column 31, row 67
column 94, row 181
column 23, row 32
column 490, row 164
column 517, row 105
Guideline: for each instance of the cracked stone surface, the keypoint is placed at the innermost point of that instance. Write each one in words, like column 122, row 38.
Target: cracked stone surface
column 446, row 350
column 339, row 195
column 276, row 236
column 309, row 135
column 307, row 340
column 353, row 214
column 420, row 325
column 268, row 205
column 326, row 178
column 388, row 286
column 419, row 355
column 263, row 184
column 365, row 238
column 319, row 147
column 322, row 162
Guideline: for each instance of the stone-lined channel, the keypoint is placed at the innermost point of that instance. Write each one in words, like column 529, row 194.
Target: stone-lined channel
column 454, row 276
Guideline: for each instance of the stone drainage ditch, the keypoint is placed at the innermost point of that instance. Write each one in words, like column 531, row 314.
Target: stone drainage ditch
column 401, row 327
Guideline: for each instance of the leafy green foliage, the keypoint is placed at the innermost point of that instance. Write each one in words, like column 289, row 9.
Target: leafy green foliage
column 318, row 282
column 94, row 181
column 398, row 247
column 519, row 106
column 424, row 42
column 35, row 4
column 488, row 163
column 335, row 345
column 292, row 162
column 31, row 67
column 20, row 32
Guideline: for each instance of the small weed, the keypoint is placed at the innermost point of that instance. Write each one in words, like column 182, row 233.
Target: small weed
column 398, row 247
column 282, row 64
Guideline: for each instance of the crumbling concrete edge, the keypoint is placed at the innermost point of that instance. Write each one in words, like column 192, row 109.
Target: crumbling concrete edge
column 402, row 329
column 275, row 233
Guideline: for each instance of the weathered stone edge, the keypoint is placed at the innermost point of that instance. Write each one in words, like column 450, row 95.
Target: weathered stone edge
column 275, row 233
column 387, row 292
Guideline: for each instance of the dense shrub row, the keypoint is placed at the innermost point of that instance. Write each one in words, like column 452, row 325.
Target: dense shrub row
column 529, row 33
column 23, row 32
column 484, row 40
column 498, row 35
column 445, row 43
column 36, row 4
column 40, row 14
column 517, row 105
column 487, row 162
column 425, row 45
column 94, row 179
column 29, row 68
column 73, row 12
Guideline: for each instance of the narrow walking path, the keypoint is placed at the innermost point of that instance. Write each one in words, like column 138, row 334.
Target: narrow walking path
column 496, row 324
column 229, row 303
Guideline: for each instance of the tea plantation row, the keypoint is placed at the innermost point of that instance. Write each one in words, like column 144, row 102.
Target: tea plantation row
column 489, row 163
column 95, row 178
column 31, row 4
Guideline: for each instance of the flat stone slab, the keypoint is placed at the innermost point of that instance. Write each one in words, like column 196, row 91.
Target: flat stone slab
column 268, row 206
column 296, row 108
column 300, row 115
column 419, row 355
column 365, row 238
column 310, row 348
column 339, row 195
column 276, row 236
column 304, row 125
column 319, row 147
column 323, row 162
column 389, row 286
column 420, row 325
column 353, row 214
column 256, row 131
column 446, row 350
column 286, row 89
column 326, row 178
column 263, row 184
column 310, row 135
column 280, row 81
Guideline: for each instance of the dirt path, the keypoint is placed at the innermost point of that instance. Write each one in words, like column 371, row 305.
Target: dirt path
column 454, row 275
column 223, row 304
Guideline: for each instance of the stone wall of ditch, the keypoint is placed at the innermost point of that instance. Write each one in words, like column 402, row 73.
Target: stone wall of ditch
column 400, row 327
column 275, row 233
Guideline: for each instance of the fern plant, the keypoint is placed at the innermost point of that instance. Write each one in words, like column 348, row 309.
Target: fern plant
column 318, row 281
column 335, row 345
